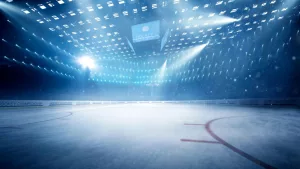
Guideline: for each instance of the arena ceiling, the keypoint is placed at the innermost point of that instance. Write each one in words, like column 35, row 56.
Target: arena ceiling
column 103, row 29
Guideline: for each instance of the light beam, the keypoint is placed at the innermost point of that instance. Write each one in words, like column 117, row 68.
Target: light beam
column 190, row 53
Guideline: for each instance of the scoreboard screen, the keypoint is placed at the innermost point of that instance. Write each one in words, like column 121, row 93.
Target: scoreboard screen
column 146, row 31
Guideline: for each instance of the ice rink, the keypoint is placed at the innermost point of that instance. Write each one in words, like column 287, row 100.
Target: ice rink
column 149, row 136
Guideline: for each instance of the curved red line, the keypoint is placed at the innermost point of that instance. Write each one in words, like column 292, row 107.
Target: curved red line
column 199, row 141
column 236, row 150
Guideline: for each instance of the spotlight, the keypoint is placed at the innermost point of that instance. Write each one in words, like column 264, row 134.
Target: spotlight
column 188, row 55
column 224, row 20
column 191, row 53
column 162, row 71
column 214, row 20
column 86, row 62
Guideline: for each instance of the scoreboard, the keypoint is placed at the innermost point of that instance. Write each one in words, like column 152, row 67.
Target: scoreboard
column 146, row 31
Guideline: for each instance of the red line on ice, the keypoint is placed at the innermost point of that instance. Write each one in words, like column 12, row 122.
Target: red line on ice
column 236, row 150
column 199, row 141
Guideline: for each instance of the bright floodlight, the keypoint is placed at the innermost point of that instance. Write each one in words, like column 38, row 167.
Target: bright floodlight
column 216, row 20
column 223, row 20
column 162, row 71
column 87, row 62
column 190, row 53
